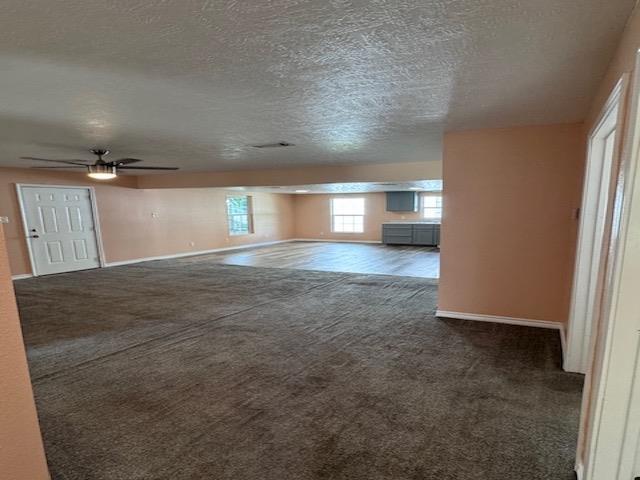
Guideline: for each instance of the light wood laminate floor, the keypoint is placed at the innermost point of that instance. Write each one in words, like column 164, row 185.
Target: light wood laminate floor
column 339, row 257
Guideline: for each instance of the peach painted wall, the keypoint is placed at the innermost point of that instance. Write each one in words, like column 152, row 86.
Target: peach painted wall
column 128, row 229
column 184, row 216
column 313, row 217
column 509, row 231
column 21, row 450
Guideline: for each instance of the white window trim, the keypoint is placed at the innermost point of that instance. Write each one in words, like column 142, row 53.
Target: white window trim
column 331, row 214
column 249, row 216
column 422, row 207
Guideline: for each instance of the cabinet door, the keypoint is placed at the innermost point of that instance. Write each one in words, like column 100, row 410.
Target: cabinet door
column 393, row 202
column 423, row 236
column 436, row 235
column 402, row 202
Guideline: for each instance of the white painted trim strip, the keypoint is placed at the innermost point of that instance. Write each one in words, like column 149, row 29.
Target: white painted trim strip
column 22, row 276
column 193, row 254
column 526, row 322
column 332, row 240
column 579, row 471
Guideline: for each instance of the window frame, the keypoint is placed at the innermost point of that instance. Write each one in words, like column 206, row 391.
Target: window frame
column 423, row 206
column 249, row 215
column 332, row 215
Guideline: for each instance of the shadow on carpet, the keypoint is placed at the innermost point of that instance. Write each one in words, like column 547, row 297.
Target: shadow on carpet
column 202, row 371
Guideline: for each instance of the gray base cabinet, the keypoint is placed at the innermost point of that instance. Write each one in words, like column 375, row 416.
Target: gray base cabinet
column 397, row 234
column 427, row 234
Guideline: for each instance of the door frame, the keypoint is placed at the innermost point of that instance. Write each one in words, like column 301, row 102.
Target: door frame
column 94, row 212
column 609, row 441
column 586, row 272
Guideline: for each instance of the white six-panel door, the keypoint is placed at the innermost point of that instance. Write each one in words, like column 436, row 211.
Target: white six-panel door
column 60, row 228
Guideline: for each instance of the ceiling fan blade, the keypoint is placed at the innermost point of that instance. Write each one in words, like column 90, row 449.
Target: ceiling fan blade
column 70, row 162
column 147, row 168
column 125, row 161
column 68, row 166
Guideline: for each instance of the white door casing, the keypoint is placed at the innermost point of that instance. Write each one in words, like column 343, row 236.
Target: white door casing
column 603, row 150
column 610, row 425
column 60, row 228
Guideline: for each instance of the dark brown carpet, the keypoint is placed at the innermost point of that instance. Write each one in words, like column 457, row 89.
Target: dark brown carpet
column 190, row 370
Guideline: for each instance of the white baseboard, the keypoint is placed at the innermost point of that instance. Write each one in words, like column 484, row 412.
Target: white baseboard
column 332, row 240
column 213, row 250
column 526, row 322
column 22, row 276
column 193, row 254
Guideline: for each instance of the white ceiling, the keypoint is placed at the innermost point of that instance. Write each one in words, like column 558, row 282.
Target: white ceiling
column 352, row 187
column 194, row 83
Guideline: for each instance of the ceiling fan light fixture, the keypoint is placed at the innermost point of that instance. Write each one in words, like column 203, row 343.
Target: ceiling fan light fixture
column 102, row 172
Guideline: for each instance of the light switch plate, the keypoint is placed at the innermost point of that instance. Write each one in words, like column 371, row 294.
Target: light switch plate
column 4, row 219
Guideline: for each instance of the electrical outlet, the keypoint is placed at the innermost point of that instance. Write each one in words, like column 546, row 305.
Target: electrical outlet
column 155, row 215
column 4, row 219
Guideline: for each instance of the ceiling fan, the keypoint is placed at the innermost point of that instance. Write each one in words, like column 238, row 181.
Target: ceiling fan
column 100, row 170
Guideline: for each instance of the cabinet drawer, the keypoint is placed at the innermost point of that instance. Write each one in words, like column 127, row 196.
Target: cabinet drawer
column 425, row 227
column 397, row 239
column 397, row 229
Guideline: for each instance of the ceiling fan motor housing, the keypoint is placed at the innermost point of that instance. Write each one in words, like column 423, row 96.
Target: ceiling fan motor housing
column 100, row 152
column 102, row 171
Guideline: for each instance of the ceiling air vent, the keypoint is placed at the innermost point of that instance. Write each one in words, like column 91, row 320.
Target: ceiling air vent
column 274, row 145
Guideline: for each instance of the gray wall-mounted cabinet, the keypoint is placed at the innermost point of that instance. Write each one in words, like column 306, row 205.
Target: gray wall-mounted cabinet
column 427, row 234
column 402, row 201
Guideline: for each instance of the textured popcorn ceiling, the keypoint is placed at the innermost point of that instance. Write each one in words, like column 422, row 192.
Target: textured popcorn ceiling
column 194, row 83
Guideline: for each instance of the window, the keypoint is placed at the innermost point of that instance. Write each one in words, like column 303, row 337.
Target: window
column 347, row 215
column 432, row 207
column 239, row 215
